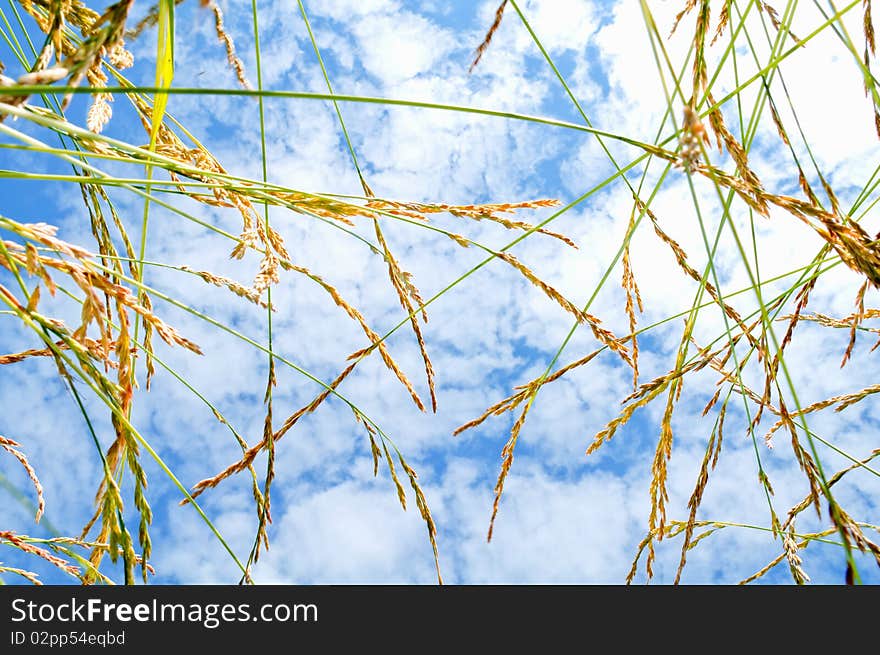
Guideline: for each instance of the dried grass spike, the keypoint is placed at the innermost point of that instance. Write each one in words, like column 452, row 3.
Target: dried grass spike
column 507, row 462
column 401, row 494
column 478, row 54
column 223, row 36
column 11, row 447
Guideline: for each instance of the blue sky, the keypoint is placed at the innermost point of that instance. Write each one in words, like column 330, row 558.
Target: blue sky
column 564, row 518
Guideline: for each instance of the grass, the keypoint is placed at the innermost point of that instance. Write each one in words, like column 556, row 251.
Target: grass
column 66, row 51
